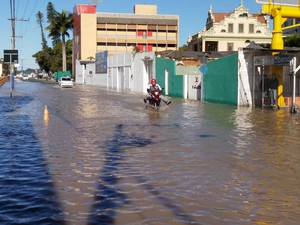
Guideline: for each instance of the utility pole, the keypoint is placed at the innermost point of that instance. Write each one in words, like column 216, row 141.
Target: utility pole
column 13, row 40
column 13, row 20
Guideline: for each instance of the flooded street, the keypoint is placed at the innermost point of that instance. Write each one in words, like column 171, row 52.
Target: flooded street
column 102, row 158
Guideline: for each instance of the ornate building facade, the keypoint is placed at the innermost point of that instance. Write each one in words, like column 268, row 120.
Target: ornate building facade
column 230, row 31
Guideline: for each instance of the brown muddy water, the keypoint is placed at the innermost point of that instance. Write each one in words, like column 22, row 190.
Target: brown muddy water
column 102, row 158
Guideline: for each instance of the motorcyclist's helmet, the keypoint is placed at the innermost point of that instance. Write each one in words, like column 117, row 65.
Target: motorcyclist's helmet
column 153, row 82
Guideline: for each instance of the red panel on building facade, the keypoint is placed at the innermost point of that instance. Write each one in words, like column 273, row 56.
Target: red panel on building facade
column 149, row 48
column 139, row 33
column 89, row 9
column 149, row 33
column 140, row 46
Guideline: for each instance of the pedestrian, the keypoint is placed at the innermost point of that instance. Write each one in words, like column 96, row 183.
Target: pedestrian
column 273, row 89
column 265, row 85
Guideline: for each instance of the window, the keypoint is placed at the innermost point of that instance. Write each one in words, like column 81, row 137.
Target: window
column 230, row 28
column 243, row 15
column 211, row 46
column 258, row 31
column 251, row 28
column 229, row 47
column 241, row 28
column 66, row 78
column 223, row 31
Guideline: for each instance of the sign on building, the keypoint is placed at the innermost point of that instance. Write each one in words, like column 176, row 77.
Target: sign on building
column 282, row 60
column 101, row 62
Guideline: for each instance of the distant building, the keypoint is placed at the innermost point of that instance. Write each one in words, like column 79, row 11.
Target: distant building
column 230, row 31
column 142, row 31
column 291, row 26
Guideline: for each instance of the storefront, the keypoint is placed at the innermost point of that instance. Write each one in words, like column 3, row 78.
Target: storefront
column 276, row 83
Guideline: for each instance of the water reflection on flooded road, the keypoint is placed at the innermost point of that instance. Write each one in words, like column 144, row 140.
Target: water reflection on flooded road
column 111, row 161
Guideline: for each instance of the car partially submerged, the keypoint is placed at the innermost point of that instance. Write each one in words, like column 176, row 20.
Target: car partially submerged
column 65, row 82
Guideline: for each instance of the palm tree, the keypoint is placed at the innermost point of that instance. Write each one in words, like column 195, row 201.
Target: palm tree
column 60, row 23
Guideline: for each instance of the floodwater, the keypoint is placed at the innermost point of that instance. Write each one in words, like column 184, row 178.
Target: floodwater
column 102, row 158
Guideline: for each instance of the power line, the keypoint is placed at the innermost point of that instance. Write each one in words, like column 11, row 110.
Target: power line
column 33, row 9
column 13, row 23
column 25, row 9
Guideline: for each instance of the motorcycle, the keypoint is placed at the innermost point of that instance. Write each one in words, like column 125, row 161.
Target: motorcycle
column 155, row 100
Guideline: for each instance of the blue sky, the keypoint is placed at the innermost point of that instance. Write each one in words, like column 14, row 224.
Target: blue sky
column 192, row 17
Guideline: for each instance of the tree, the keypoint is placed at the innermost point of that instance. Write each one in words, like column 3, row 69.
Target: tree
column 184, row 48
column 50, row 12
column 292, row 41
column 50, row 58
column 60, row 24
column 43, row 58
column 91, row 58
column 40, row 21
column 51, row 17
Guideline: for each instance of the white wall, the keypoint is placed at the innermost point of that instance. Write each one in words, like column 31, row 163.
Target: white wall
column 119, row 67
column 85, row 74
column 140, row 76
column 125, row 72
column 79, row 79
column 193, row 87
column 245, row 78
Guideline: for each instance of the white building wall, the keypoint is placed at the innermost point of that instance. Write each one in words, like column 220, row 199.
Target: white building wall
column 80, row 69
column 85, row 74
column 245, row 78
column 194, row 87
column 90, row 77
column 119, row 71
column 139, row 76
column 125, row 72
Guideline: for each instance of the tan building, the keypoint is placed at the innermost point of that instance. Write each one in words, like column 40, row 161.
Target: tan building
column 144, row 30
column 230, row 31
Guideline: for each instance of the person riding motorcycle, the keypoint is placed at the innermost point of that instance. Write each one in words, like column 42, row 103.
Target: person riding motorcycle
column 153, row 86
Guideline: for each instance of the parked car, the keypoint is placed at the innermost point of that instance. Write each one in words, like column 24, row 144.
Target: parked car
column 25, row 77
column 65, row 82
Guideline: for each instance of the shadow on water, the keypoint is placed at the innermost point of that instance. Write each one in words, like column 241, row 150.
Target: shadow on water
column 107, row 197
column 12, row 104
column 27, row 195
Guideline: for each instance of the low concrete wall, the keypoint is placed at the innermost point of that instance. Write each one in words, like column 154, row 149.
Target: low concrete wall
column 3, row 80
